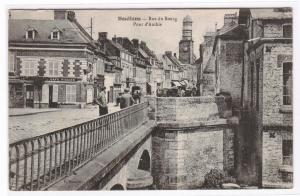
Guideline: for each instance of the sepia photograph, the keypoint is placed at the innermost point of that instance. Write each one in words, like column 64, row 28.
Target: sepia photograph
column 150, row 98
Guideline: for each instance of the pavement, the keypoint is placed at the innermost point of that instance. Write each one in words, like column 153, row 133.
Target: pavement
column 26, row 122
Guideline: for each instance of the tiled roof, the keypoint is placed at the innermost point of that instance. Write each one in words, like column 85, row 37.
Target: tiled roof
column 210, row 65
column 143, row 53
column 117, row 45
column 227, row 28
column 70, row 33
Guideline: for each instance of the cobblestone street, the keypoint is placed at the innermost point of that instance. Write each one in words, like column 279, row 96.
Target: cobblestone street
column 22, row 127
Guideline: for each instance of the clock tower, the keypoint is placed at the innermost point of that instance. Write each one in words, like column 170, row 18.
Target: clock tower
column 186, row 44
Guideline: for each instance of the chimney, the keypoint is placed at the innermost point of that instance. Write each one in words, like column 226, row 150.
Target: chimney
column 168, row 53
column 143, row 44
column 60, row 14
column 120, row 40
column 102, row 36
column 114, row 39
column 135, row 43
column 71, row 16
column 175, row 55
column 230, row 18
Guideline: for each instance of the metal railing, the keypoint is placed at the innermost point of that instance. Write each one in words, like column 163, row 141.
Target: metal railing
column 38, row 162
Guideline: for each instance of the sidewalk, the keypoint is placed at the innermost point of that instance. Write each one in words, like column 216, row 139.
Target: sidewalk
column 25, row 123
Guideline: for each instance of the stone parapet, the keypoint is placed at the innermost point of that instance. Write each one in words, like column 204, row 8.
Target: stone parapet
column 191, row 109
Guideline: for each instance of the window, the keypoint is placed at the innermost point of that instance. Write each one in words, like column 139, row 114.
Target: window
column 148, row 77
column 287, row 152
column 287, row 31
column 11, row 62
column 168, row 75
column 30, row 34
column 53, row 68
column 28, row 68
column 71, row 93
column 55, row 35
column 134, row 72
column 287, row 83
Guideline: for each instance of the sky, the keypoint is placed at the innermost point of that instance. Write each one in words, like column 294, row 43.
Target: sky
column 158, row 38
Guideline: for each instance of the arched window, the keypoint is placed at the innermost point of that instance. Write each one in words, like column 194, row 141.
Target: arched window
column 144, row 163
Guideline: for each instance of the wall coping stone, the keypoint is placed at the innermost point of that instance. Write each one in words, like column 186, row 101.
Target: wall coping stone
column 192, row 125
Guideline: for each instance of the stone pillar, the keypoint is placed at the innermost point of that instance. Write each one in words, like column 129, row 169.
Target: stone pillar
column 189, row 141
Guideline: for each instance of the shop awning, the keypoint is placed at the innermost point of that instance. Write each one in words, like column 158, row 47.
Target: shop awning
column 183, row 83
column 175, row 83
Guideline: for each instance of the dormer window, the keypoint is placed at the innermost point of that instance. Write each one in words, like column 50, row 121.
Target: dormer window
column 55, row 35
column 30, row 33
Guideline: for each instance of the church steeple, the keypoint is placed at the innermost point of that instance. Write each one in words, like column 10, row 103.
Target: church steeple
column 186, row 47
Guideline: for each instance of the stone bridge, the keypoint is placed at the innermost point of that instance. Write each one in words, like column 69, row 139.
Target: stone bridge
column 170, row 143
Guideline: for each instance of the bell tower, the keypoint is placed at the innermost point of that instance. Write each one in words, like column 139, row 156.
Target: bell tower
column 186, row 44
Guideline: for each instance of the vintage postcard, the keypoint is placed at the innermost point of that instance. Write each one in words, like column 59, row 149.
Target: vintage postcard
column 150, row 99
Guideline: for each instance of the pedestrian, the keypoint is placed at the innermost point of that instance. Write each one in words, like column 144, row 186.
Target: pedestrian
column 102, row 102
column 182, row 92
column 126, row 99
column 136, row 96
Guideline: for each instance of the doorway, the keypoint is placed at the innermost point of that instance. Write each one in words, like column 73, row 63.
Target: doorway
column 29, row 96
column 53, row 96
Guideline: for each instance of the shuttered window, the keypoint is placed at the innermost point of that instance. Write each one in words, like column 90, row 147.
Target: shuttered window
column 28, row 68
column 53, row 68
column 70, row 93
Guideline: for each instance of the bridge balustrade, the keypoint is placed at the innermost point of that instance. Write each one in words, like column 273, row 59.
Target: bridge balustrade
column 38, row 162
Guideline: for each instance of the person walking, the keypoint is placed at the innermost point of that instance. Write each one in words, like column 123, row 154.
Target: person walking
column 126, row 99
column 136, row 96
column 102, row 102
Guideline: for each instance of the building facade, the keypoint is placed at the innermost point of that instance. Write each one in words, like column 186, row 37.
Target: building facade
column 268, row 93
column 50, row 62
column 228, row 56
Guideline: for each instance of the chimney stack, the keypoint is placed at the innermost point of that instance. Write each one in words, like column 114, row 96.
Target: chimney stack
column 60, row 14
column 175, row 55
column 71, row 16
column 230, row 18
column 168, row 53
column 135, row 43
column 120, row 40
column 102, row 36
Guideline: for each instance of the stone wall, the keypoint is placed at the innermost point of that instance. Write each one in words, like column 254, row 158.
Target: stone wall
column 273, row 156
column 186, row 109
column 182, row 158
column 191, row 139
column 230, row 68
column 192, row 109
column 273, row 84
